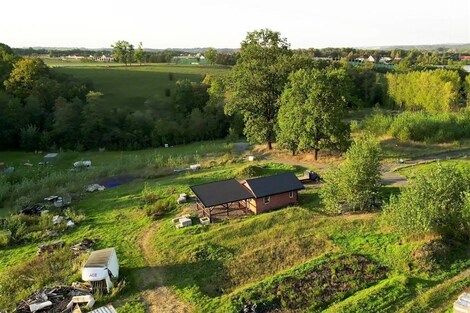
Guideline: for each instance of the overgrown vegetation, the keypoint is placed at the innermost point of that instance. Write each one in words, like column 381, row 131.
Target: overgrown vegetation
column 354, row 185
column 436, row 201
column 420, row 126
column 432, row 91
column 23, row 279
column 314, row 285
column 31, row 184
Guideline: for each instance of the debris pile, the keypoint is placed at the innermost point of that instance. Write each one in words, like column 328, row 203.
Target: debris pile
column 84, row 246
column 55, row 299
column 182, row 221
column 33, row 209
column 182, row 198
column 248, row 308
column 82, row 164
column 94, row 187
column 50, row 247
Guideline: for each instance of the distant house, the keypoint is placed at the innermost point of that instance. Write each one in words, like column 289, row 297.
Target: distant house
column 385, row 60
column 323, row 58
column 360, row 59
column 105, row 58
column 465, row 57
column 273, row 192
column 371, row 59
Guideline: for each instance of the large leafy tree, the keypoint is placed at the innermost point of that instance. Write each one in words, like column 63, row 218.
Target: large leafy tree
column 139, row 54
column 7, row 59
column 211, row 55
column 355, row 184
column 257, row 81
column 67, row 121
column 123, row 52
column 24, row 75
column 312, row 107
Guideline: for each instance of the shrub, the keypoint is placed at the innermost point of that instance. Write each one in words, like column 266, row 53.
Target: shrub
column 159, row 208
column 149, row 196
column 74, row 215
column 5, row 237
column 248, row 171
column 437, row 200
column 355, row 184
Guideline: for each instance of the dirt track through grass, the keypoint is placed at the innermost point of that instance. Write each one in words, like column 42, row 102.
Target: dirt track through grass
column 159, row 298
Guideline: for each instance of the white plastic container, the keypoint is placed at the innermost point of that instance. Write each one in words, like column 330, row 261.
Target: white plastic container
column 101, row 266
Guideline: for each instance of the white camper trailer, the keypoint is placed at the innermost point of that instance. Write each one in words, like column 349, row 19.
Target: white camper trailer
column 100, row 267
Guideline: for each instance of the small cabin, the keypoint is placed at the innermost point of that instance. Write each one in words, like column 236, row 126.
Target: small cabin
column 273, row 192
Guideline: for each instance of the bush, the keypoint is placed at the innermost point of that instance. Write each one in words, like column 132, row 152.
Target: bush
column 159, row 208
column 355, row 184
column 74, row 215
column 149, row 196
column 5, row 237
column 437, row 200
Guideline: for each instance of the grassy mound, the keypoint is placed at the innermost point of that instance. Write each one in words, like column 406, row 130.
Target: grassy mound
column 313, row 285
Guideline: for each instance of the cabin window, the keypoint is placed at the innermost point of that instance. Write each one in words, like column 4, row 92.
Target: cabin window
column 266, row 200
column 291, row 194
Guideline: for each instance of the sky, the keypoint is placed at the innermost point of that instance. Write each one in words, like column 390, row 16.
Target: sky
column 224, row 24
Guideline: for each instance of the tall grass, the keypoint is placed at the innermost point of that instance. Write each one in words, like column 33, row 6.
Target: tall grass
column 420, row 126
column 27, row 187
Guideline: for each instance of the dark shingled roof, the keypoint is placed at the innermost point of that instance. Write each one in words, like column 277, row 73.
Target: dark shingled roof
column 221, row 192
column 272, row 185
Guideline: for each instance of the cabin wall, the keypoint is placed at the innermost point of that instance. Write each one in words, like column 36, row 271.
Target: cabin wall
column 257, row 205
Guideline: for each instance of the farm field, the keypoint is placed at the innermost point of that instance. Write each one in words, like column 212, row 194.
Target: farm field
column 130, row 86
column 218, row 268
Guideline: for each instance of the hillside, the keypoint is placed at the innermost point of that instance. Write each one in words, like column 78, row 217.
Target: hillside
column 280, row 260
column 130, row 86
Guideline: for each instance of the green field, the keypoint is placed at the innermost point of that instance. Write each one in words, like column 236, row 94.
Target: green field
column 130, row 86
column 290, row 260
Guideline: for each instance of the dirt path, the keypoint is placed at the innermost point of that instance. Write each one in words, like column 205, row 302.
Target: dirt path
column 390, row 176
column 158, row 297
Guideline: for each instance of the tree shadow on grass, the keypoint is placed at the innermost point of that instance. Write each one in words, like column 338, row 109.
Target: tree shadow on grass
column 310, row 200
column 208, row 276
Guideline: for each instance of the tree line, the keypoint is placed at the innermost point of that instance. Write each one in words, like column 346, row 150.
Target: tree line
column 432, row 91
column 288, row 97
column 40, row 109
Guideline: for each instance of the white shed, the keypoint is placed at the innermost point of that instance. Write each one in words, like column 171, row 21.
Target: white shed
column 101, row 266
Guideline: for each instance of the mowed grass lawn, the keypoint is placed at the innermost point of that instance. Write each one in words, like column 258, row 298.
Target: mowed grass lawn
column 130, row 86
